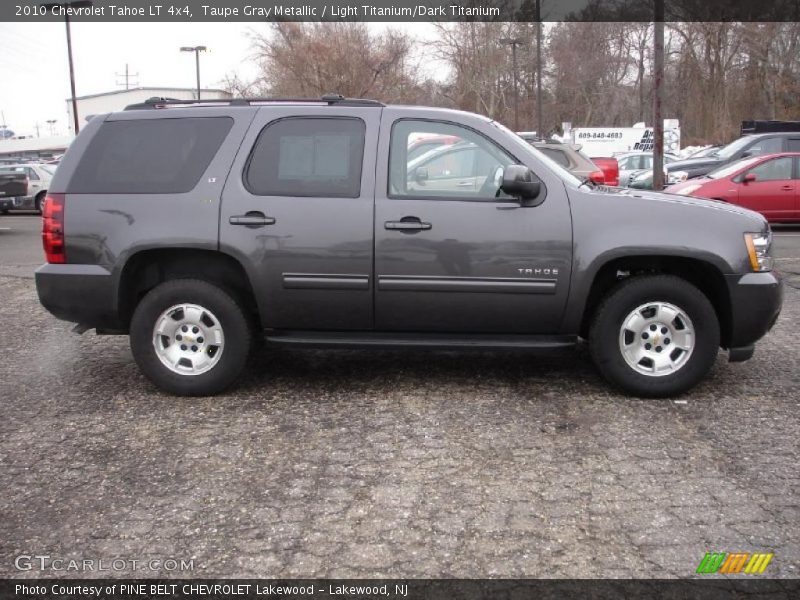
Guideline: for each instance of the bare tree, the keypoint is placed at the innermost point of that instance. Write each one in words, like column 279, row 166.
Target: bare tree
column 311, row 59
column 595, row 73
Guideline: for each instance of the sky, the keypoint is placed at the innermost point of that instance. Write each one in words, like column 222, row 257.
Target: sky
column 34, row 71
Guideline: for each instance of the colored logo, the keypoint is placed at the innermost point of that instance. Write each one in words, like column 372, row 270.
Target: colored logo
column 728, row 563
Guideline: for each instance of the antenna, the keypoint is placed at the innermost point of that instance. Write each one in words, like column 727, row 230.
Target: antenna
column 127, row 75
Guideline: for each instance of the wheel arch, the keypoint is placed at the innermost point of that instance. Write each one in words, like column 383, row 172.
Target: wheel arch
column 148, row 268
column 704, row 275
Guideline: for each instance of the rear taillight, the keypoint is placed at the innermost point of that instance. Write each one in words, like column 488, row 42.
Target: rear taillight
column 597, row 177
column 53, row 228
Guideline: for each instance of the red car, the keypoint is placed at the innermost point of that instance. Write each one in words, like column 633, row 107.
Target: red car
column 610, row 168
column 767, row 184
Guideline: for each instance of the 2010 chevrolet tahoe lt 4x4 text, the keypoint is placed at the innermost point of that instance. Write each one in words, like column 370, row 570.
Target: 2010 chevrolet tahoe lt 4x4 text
column 195, row 227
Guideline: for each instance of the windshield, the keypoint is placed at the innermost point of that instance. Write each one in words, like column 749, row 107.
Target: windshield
column 50, row 169
column 565, row 175
column 732, row 148
column 732, row 168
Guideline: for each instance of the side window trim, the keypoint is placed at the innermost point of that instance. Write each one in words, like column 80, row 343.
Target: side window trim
column 251, row 153
column 392, row 196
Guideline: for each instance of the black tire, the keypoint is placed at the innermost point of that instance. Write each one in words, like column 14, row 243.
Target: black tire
column 38, row 201
column 605, row 332
column 232, row 319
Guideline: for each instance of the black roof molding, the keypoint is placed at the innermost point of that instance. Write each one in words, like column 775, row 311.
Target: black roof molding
column 329, row 99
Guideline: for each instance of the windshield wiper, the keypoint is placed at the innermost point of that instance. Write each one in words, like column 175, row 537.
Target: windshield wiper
column 588, row 182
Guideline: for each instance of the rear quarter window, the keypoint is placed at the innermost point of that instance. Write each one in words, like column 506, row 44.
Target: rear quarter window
column 557, row 155
column 149, row 156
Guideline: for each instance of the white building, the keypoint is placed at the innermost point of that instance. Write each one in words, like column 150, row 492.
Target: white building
column 98, row 104
column 35, row 147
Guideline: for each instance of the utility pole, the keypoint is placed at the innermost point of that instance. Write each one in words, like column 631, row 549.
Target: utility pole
column 75, row 121
column 197, row 50
column 66, row 6
column 127, row 75
column 514, row 42
column 658, row 96
column 539, row 122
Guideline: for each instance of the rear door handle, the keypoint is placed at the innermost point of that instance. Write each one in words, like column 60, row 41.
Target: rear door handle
column 253, row 218
column 787, row 187
column 407, row 225
column 464, row 184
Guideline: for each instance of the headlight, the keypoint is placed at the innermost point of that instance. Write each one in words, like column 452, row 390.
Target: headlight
column 758, row 247
column 677, row 176
column 688, row 189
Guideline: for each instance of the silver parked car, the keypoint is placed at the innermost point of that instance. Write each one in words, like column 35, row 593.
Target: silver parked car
column 631, row 162
column 39, row 177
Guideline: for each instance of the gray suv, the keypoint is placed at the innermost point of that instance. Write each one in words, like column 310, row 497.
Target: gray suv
column 199, row 228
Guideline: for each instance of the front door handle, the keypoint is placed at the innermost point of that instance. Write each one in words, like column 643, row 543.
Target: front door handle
column 407, row 225
column 788, row 188
column 253, row 218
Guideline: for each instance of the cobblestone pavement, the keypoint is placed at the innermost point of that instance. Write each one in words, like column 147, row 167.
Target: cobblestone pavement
column 369, row 464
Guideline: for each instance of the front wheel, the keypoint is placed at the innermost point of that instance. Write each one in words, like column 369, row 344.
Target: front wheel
column 655, row 336
column 190, row 337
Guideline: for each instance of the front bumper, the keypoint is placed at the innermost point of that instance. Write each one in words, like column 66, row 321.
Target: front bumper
column 84, row 294
column 756, row 301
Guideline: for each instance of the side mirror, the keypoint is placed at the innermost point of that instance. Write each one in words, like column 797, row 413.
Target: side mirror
column 748, row 153
column 749, row 178
column 421, row 175
column 520, row 182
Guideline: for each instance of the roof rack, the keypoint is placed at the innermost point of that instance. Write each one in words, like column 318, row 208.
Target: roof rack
column 157, row 102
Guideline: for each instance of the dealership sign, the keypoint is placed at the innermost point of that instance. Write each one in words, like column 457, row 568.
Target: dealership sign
column 607, row 141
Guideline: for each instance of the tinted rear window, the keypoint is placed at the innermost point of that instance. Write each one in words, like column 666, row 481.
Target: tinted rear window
column 557, row 155
column 149, row 156
column 302, row 156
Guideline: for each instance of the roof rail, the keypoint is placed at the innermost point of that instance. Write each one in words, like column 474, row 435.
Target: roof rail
column 157, row 102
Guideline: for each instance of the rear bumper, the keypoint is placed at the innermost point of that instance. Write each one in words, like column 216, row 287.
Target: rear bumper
column 756, row 301
column 83, row 294
column 6, row 203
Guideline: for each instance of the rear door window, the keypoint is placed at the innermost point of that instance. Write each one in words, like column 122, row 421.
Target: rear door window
column 149, row 156
column 308, row 156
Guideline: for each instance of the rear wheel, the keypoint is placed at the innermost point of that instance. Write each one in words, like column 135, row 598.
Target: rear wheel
column 190, row 337
column 39, row 201
column 655, row 336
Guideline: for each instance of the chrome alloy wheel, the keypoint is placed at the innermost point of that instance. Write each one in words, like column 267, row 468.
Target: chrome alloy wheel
column 188, row 339
column 656, row 339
